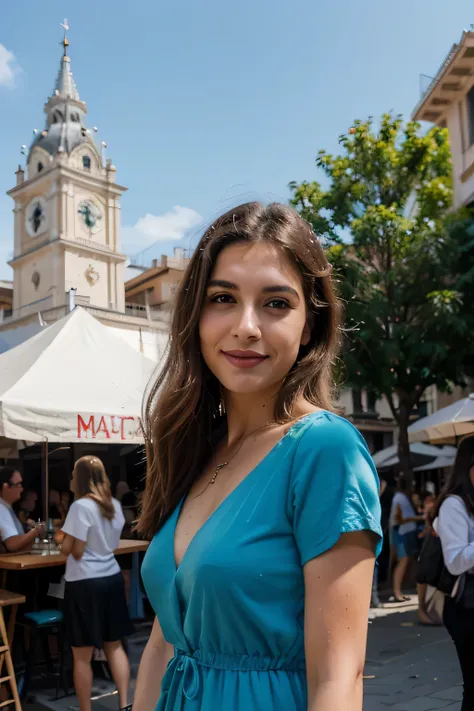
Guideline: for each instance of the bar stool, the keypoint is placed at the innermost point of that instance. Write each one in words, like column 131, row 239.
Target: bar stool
column 8, row 599
column 42, row 623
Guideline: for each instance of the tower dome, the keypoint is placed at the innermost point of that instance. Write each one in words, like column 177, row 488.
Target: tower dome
column 65, row 113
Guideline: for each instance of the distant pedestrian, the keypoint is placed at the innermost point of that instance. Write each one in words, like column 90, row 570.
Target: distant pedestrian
column 95, row 604
column 403, row 535
column 454, row 523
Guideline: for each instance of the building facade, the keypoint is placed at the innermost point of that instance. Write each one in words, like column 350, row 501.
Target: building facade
column 152, row 289
column 449, row 102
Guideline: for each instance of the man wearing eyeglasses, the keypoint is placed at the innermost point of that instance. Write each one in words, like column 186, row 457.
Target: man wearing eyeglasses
column 11, row 529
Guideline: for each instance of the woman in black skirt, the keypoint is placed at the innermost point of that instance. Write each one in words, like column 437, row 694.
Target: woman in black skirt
column 95, row 605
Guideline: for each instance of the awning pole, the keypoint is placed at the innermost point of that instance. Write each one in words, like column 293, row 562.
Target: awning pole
column 46, row 482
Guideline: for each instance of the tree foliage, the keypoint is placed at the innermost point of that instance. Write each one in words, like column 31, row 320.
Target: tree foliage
column 405, row 263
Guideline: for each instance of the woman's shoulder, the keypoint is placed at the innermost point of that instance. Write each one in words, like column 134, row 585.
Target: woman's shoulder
column 327, row 430
column 453, row 505
column 330, row 446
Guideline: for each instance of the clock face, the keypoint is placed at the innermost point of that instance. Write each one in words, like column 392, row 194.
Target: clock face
column 91, row 215
column 35, row 217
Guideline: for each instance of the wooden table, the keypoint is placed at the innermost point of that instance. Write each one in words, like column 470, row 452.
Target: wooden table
column 32, row 561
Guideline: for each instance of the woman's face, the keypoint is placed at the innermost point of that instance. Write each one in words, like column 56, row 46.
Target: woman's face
column 254, row 318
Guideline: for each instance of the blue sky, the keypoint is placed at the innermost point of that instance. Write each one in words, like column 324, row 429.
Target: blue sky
column 207, row 104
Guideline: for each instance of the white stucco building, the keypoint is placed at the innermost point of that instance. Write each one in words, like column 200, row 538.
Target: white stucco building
column 449, row 102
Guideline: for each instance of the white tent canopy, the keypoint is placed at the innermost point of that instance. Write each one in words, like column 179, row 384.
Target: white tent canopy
column 445, row 425
column 438, row 463
column 389, row 457
column 72, row 382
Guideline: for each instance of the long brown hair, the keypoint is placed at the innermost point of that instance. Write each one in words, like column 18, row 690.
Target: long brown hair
column 183, row 409
column 92, row 481
column 459, row 481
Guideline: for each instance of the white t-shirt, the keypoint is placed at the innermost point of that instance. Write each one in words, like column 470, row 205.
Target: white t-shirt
column 455, row 527
column 10, row 524
column 86, row 523
column 402, row 500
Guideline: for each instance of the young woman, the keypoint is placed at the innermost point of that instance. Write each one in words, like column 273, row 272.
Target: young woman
column 454, row 523
column 264, row 504
column 95, row 605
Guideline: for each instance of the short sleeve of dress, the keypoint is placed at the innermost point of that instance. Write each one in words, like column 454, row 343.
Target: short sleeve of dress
column 78, row 521
column 334, row 486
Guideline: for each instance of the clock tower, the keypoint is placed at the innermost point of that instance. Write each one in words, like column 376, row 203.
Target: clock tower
column 67, row 212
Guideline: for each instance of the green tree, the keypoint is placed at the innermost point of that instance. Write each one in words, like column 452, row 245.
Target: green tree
column 399, row 256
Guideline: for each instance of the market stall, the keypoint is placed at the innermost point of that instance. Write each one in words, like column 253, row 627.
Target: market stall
column 74, row 382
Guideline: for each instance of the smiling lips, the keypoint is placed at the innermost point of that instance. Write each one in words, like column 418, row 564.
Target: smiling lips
column 244, row 359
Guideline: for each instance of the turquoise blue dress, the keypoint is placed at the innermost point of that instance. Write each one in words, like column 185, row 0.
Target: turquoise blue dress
column 234, row 608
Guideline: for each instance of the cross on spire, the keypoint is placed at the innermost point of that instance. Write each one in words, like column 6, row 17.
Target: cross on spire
column 65, row 42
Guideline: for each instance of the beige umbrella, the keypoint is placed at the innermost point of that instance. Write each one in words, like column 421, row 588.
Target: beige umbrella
column 447, row 426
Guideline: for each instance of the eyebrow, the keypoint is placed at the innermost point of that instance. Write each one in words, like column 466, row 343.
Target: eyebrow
column 271, row 289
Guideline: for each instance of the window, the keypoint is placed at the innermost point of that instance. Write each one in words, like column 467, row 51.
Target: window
column 371, row 401
column 86, row 162
column 40, row 167
column 470, row 114
column 357, row 408
column 57, row 117
column 422, row 410
column 75, row 117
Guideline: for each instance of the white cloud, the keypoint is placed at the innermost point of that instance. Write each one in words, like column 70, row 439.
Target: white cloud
column 170, row 227
column 8, row 67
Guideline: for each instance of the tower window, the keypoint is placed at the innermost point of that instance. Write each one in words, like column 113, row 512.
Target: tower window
column 86, row 162
column 75, row 117
column 57, row 117
column 40, row 167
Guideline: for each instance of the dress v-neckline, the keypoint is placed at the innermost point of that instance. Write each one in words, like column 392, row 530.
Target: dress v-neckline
column 229, row 495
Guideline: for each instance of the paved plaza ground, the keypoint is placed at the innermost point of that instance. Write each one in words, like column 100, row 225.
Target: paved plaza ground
column 409, row 668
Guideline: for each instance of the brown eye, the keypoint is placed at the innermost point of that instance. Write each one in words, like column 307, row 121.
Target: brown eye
column 222, row 299
column 278, row 304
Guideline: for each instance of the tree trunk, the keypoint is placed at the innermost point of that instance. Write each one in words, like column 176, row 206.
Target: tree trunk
column 404, row 453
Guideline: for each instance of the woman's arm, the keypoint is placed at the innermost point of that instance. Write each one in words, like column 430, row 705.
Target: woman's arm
column 73, row 546
column 411, row 519
column 154, row 661
column 452, row 528
column 337, row 596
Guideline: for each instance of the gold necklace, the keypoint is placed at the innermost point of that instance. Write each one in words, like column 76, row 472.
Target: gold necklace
column 222, row 465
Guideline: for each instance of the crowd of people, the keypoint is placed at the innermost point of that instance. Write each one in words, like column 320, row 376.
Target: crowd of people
column 449, row 516
column 88, row 524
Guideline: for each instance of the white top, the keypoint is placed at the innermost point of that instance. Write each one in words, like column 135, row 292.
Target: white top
column 402, row 500
column 455, row 528
column 10, row 524
column 86, row 523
